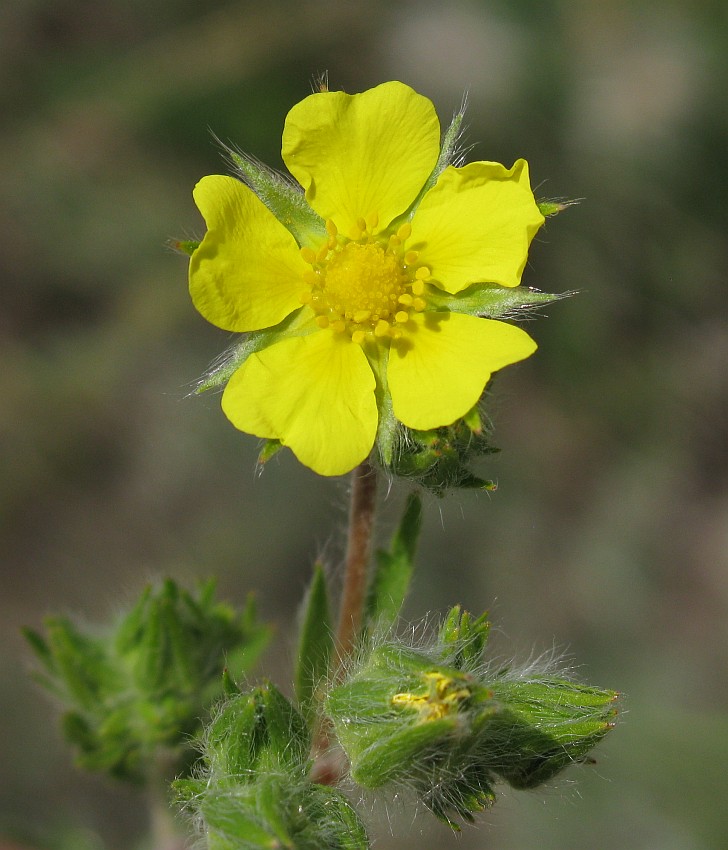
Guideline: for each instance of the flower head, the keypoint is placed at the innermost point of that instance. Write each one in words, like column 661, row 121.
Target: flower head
column 358, row 293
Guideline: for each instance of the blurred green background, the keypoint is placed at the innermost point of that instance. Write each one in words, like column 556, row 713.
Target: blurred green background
column 608, row 536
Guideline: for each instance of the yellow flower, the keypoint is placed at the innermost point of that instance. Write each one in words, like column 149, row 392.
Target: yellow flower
column 354, row 288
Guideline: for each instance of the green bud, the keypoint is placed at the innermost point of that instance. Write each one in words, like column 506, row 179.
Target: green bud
column 440, row 721
column 135, row 694
column 253, row 790
column 438, row 459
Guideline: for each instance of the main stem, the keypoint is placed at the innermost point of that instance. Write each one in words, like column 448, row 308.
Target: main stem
column 358, row 553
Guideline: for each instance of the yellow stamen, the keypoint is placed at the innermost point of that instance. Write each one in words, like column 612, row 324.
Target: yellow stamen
column 322, row 321
column 418, row 287
column 362, row 315
column 308, row 255
column 382, row 328
column 422, row 273
column 410, row 257
column 405, row 231
column 419, row 304
column 405, row 299
column 361, row 224
column 372, row 220
column 339, row 326
column 358, row 337
column 323, row 251
column 331, row 228
column 306, row 297
column 401, row 317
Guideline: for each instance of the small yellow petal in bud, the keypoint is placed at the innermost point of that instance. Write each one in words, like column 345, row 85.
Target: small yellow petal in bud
column 422, row 273
column 372, row 220
column 382, row 328
column 362, row 315
column 358, row 337
column 331, row 228
column 308, row 255
column 401, row 316
column 411, row 257
column 418, row 287
column 419, row 304
column 405, row 299
column 322, row 321
column 405, row 231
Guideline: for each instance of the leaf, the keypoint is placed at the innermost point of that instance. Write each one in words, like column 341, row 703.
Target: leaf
column 315, row 645
column 394, row 568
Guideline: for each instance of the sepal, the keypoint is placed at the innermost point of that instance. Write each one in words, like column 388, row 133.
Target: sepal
column 490, row 301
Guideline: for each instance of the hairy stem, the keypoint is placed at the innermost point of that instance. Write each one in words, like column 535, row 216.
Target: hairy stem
column 358, row 552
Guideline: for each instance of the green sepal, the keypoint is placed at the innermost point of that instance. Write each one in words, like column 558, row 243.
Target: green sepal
column 185, row 246
column 393, row 569
column 297, row 323
column 135, row 694
column 315, row 646
column 553, row 206
column 269, row 450
column 463, row 638
column 491, row 301
column 449, row 150
column 282, row 197
column 550, row 723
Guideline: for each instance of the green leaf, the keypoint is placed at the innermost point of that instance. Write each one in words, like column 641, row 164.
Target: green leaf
column 394, row 568
column 315, row 645
column 491, row 301
column 463, row 638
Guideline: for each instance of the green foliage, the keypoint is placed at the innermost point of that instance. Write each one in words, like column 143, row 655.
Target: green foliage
column 315, row 646
column 135, row 694
column 393, row 569
column 440, row 721
column 253, row 790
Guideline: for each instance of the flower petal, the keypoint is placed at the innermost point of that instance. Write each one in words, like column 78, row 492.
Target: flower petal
column 247, row 273
column 314, row 393
column 475, row 225
column 437, row 371
column 361, row 154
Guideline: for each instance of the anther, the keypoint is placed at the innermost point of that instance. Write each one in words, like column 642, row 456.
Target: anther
column 405, row 231
column 339, row 326
column 419, row 304
column 394, row 241
column 372, row 220
column 308, row 255
column 310, row 276
column 358, row 337
column 418, row 287
column 323, row 251
column 410, row 257
column 322, row 321
column 306, row 297
column 396, row 333
column 331, row 228
column 361, row 316
column 401, row 316
column 361, row 224
column 405, row 299
column 382, row 328
column 422, row 273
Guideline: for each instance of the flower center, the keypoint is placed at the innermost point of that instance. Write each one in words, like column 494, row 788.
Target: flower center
column 363, row 281
column 364, row 286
